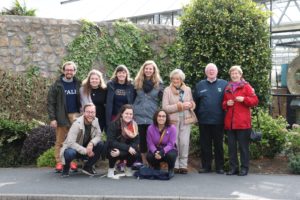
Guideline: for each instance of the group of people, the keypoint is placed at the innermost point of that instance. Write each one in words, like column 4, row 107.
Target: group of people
column 138, row 129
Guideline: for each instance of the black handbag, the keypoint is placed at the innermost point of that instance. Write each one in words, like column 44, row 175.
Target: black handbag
column 256, row 134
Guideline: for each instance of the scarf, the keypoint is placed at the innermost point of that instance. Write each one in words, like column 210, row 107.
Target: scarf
column 147, row 86
column 129, row 130
column 178, row 91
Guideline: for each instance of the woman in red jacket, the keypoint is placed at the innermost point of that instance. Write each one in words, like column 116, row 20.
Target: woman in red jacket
column 239, row 97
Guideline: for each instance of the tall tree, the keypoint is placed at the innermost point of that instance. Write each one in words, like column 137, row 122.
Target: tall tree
column 227, row 32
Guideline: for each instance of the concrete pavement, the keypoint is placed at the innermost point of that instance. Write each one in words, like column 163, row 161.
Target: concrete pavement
column 36, row 183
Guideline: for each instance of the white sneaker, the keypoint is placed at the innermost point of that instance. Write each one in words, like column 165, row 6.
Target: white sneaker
column 111, row 173
column 128, row 171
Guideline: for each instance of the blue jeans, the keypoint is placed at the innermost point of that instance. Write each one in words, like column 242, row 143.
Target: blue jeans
column 71, row 154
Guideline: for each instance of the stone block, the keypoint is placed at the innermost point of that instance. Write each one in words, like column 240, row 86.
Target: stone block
column 51, row 59
column 4, row 52
column 17, row 60
column 15, row 41
column 4, row 41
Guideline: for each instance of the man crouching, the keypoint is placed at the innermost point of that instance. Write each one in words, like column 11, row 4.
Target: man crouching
column 83, row 141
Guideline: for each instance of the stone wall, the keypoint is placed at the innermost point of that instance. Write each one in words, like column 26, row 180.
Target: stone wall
column 39, row 42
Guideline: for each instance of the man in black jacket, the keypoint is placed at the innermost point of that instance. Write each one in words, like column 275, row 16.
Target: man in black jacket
column 208, row 96
column 64, row 107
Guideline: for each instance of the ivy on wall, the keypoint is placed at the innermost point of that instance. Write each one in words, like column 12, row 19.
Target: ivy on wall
column 124, row 44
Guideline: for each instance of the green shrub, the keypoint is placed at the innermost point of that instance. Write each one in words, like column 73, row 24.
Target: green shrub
column 23, row 96
column 195, row 141
column 12, row 136
column 292, row 145
column 274, row 135
column 47, row 159
column 294, row 164
column 38, row 141
column 227, row 33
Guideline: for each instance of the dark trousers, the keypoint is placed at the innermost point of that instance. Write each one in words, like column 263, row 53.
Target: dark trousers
column 211, row 138
column 242, row 139
column 169, row 157
column 124, row 155
column 143, row 140
column 71, row 154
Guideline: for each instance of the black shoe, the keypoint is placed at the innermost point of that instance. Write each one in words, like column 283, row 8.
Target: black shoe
column 88, row 171
column 65, row 174
column 171, row 173
column 243, row 172
column 203, row 170
column 220, row 171
column 232, row 172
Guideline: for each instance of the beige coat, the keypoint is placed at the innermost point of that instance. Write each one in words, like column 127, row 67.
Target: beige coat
column 173, row 106
column 75, row 137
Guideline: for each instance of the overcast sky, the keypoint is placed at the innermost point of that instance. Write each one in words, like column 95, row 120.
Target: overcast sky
column 97, row 10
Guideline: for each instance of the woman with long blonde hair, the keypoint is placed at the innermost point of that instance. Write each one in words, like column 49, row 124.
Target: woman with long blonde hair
column 149, row 91
column 93, row 90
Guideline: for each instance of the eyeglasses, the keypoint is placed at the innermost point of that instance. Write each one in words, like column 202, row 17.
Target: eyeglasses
column 69, row 70
column 90, row 112
column 162, row 116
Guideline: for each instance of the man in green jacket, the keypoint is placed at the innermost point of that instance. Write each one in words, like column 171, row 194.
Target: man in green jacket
column 64, row 107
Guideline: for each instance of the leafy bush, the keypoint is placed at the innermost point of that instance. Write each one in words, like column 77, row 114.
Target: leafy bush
column 23, row 96
column 47, row 159
column 38, row 141
column 274, row 135
column 226, row 32
column 195, row 141
column 292, row 145
column 12, row 136
column 294, row 163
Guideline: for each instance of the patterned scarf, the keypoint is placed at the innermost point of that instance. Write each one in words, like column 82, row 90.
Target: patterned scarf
column 129, row 130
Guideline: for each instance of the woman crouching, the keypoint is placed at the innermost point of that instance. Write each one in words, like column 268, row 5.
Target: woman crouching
column 123, row 140
column 161, row 141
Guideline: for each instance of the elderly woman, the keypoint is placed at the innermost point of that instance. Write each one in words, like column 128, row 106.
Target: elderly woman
column 178, row 102
column 123, row 141
column 161, row 140
column 239, row 97
column 149, row 91
column 93, row 90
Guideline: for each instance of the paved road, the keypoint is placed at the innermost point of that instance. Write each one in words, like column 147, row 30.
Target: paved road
column 32, row 183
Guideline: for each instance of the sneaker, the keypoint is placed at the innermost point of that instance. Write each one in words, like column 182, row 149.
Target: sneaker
column 128, row 171
column 88, row 171
column 58, row 167
column 73, row 166
column 111, row 174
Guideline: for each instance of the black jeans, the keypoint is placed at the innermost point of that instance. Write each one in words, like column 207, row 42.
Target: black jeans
column 169, row 157
column 71, row 154
column 241, row 138
column 211, row 137
column 124, row 155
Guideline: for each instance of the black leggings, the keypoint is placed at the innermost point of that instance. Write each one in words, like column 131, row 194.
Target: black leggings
column 124, row 155
column 143, row 137
column 169, row 157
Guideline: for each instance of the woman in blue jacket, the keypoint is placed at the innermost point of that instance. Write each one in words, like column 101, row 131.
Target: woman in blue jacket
column 120, row 91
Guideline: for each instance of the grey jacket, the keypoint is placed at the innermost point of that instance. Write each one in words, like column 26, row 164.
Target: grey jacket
column 145, row 104
column 75, row 137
